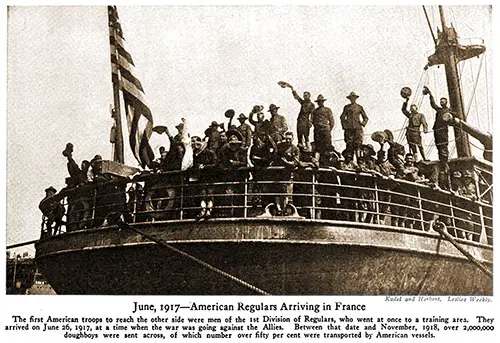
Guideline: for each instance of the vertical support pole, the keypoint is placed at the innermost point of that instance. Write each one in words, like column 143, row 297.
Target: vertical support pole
column 482, row 237
column 135, row 202
column 93, row 208
column 15, row 270
column 377, row 205
column 245, row 202
column 420, row 209
column 313, row 181
column 453, row 222
column 181, row 214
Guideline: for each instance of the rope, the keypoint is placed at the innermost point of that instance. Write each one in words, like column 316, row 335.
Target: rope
column 440, row 228
column 124, row 225
column 474, row 90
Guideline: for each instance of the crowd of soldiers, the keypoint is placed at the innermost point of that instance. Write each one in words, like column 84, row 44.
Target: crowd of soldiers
column 265, row 142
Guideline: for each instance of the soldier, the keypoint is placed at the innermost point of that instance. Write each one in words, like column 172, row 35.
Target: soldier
column 467, row 189
column 409, row 210
column 395, row 151
column 203, row 157
column 288, row 155
column 307, row 157
column 353, row 125
column 322, row 119
column 304, row 122
column 367, row 162
column 213, row 135
column 440, row 126
column 245, row 130
column 261, row 124
column 77, row 175
column 260, row 155
column 175, row 154
column 53, row 211
column 160, row 163
column 277, row 125
column 387, row 171
column 413, row 136
column 233, row 154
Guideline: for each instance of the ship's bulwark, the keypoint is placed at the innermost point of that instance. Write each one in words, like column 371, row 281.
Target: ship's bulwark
column 273, row 257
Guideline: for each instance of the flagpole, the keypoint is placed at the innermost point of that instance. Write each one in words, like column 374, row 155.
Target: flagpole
column 118, row 151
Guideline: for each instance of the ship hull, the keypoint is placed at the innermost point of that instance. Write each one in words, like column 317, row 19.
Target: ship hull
column 277, row 256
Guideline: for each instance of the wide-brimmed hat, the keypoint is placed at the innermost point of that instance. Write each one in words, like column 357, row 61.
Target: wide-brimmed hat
column 257, row 108
column 320, row 98
column 369, row 147
column 68, row 150
column 160, row 129
column 229, row 113
column 236, row 133
column 97, row 158
column 50, row 189
column 180, row 126
column 390, row 136
column 352, row 95
column 379, row 137
column 234, row 140
column 272, row 107
column 214, row 123
column 242, row 116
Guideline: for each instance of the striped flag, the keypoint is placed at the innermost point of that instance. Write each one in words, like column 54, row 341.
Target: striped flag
column 139, row 117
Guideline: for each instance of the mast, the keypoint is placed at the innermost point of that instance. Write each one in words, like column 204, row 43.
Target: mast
column 449, row 52
column 449, row 42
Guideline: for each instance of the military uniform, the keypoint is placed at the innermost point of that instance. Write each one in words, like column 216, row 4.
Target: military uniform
column 277, row 127
column 323, row 122
column 440, row 130
column 413, row 136
column 304, row 118
column 246, row 134
column 261, row 127
column 353, row 126
column 232, row 158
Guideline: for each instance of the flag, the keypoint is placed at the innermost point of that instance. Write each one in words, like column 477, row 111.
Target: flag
column 139, row 116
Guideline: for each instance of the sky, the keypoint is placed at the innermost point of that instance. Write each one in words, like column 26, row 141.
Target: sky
column 195, row 62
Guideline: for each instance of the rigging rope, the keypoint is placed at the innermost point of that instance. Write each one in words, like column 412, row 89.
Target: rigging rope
column 466, row 114
column 440, row 228
column 124, row 225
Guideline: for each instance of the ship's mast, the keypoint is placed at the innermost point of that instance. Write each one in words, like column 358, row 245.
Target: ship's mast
column 449, row 44
column 449, row 52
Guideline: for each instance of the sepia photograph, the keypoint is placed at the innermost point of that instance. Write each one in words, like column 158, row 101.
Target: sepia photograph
column 298, row 150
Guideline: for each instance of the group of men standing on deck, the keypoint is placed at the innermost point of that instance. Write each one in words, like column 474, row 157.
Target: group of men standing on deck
column 354, row 119
column 263, row 137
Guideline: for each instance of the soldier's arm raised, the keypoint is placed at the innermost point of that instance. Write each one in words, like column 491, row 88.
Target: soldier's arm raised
column 251, row 120
column 296, row 96
column 404, row 109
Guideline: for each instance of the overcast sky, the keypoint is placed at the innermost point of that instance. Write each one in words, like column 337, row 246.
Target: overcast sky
column 197, row 62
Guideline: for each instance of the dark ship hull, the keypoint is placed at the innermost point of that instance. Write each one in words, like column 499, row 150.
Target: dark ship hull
column 280, row 256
